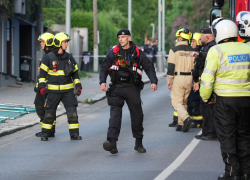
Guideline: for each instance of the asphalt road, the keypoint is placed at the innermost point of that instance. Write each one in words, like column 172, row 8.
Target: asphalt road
column 24, row 157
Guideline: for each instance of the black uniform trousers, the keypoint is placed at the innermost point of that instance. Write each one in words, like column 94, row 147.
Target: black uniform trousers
column 70, row 103
column 193, row 104
column 232, row 122
column 133, row 99
column 40, row 109
column 207, row 113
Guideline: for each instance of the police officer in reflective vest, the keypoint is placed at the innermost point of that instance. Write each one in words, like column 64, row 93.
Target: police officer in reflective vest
column 124, row 64
column 227, row 72
column 180, row 65
column 62, row 71
column 47, row 45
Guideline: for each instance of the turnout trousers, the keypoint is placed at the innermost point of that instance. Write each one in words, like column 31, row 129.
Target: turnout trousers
column 232, row 122
column 179, row 96
column 40, row 108
column 70, row 103
column 132, row 97
column 207, row 113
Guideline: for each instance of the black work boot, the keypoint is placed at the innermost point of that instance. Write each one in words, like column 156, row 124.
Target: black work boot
column 52, row 134
column 199, row 136
column 44, row 138
column 173, row 124
column 179, row 128
column 76, row 137
column 245, row 177
column 138, row 146
column 187, row 124
column 38, row 134
column 110, row 145
column 225, row 177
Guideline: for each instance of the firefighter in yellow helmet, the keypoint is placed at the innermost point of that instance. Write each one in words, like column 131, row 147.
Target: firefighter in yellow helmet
column 179, row 77
column 47, row 45
column 227, row 71
column 62, row 72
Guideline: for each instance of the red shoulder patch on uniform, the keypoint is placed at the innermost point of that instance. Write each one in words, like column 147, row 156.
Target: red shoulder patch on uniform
column 116, row 49
column 137, row 51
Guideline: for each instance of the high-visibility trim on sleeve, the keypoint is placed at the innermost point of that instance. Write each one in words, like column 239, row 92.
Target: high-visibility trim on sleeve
column 46, row 126
column 208, row 71
column 73, row 126
column 42, row 80
column 54, row 123
column 76, row 68
column 76, row 81
column 37, row 85
column 44, row 67
column 207, row 84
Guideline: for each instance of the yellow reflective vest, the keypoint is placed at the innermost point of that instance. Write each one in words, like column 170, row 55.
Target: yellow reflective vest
column 227, row 71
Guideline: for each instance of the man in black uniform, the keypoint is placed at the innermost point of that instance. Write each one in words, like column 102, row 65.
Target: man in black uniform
column 62, row 71
column 47, row 45
column 208, row 128
column 123, row 64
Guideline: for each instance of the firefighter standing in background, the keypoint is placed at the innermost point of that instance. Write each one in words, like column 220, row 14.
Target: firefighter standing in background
column 180, row 65
column 194, row 97
column 175, row 115
column 227, row 72
column 208, row 128
column 62, row 71
column 47, row 45
column 124, row 64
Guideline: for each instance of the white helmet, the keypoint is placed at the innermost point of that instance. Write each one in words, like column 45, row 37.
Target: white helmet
column 243, row 18
column 224, row 29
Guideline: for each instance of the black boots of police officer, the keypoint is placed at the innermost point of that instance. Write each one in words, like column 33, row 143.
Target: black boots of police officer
column 139, row 147
column 110, row 145
column 225, row 177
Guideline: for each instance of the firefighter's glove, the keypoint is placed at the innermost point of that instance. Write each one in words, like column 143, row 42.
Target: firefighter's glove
column 78, row 91
column 43, row 91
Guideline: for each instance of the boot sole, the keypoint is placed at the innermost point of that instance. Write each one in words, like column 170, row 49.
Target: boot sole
column 187, row 127
column 140, row 151
column 108, row 147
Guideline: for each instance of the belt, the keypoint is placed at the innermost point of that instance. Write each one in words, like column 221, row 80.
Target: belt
column 124, row 85
column 183, row 73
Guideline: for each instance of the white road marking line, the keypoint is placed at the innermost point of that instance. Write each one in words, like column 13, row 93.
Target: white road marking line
column 179, row 160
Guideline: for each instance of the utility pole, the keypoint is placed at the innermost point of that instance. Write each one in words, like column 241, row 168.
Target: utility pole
column 163, row 35
column 96, row 59
column 159, row 63
column 130, row 16
column 153, row 30
column 68, row 22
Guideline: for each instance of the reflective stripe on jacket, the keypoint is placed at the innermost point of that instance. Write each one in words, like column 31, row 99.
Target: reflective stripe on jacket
column 227, row 69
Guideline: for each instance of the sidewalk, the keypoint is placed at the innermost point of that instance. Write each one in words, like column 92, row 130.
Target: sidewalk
column 26, row 95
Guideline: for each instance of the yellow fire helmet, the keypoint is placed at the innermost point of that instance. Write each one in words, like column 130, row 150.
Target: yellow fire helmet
column 48, row 38
column 185, row 34
column 196, row 37
column 60, row 37
column 177, row 34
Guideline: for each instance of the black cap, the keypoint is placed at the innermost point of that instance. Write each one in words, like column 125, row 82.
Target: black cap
column 123, row 32
column 206, row 31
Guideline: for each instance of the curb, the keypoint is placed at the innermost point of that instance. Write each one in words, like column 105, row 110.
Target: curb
column 13, row 130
